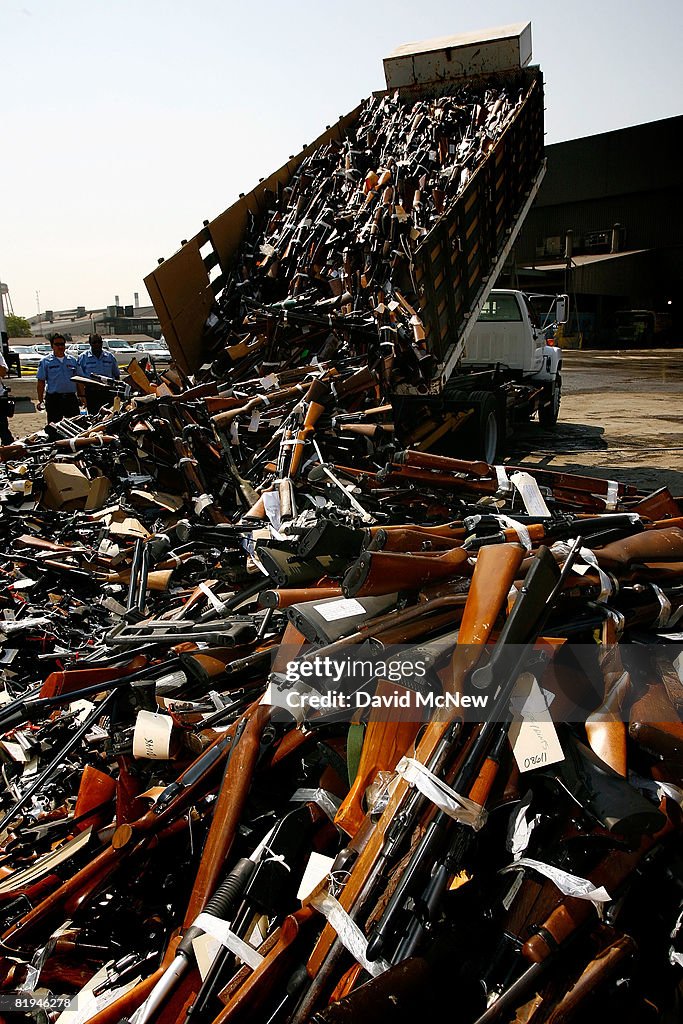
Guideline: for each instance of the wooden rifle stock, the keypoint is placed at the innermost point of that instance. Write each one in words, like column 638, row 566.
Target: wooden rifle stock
column 384, row 744
column 224, row 419
column 411, row 539
column 657, row 505
column 315, row 399
column 227, row 810
column 655, row 725
column 606, row 726
column 372, row 430
column 286, row 598
column 95, row 791
column 493, row 576
column 69, row 680
column 601, row 969
column 443, row 464
column 379, row 572
column 139, row 377
column 664, row 545
column 400, row 995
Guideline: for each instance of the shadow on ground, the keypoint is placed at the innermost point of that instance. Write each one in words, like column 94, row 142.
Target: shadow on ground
column 569, row 438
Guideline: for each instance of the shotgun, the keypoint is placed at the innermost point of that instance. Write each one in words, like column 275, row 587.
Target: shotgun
column 497, row 566
column 499, row 677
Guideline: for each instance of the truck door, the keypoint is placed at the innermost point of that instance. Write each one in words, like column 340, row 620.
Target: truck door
column 537, row 338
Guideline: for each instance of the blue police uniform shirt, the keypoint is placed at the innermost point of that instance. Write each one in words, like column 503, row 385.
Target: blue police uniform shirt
column 105, row 365
column 58, row 374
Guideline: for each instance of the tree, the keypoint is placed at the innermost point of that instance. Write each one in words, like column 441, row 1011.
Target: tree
column 18, row 326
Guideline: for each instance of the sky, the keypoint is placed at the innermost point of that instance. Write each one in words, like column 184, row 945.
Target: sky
column 126, row 123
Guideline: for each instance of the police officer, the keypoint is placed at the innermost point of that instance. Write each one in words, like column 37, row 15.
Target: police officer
column 55, row 382
column 102, row 363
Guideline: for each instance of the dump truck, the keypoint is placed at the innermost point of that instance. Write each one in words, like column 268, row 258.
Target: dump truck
column 483, row 374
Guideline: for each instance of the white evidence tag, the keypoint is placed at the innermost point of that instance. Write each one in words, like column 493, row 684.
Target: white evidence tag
column 534, row 739
column 152, row 736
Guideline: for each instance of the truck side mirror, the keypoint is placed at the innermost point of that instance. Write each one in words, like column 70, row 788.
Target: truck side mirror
column 562, row 309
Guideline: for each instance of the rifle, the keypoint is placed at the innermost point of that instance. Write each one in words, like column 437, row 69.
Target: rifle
column 379, row 572
column 156, row 825
column 541, row 587
column 494, row 572
column 64, row 687
column 228, row 809
column 569, row 919
column 20, row 449
column 664, row 545
column 384, row 743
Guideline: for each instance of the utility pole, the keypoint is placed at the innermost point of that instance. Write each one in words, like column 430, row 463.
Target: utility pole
column 40, row 326
column 4, row 339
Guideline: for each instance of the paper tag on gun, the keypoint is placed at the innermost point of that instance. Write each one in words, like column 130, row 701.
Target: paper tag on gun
column 534, row 739
column 152, row 736
column 530, row 493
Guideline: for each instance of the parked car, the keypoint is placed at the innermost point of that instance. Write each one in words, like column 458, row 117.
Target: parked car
column 78, row 349
column 121, row 349
column 157, row 350
column 31, row 355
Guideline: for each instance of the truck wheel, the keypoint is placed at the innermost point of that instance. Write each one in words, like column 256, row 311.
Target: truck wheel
column 549, row 411
column 483, row 434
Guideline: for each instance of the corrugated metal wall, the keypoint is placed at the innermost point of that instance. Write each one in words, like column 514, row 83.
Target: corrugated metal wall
column 648, row 220
column 638, row 159
column 633, row 177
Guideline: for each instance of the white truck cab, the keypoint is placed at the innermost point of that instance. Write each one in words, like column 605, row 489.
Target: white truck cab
column 508, row 332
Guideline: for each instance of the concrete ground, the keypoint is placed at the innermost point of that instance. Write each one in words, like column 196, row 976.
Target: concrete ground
column 621, row 418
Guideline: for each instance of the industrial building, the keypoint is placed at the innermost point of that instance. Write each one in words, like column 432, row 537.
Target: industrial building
column 607, row 227
column 109, row 321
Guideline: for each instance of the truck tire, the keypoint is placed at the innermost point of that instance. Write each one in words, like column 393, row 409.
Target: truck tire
column 482, row 435
column 549, row 411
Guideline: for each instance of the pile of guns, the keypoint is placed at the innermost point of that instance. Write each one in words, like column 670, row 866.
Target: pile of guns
column 335, row 246
column 194, row 828
column 302, row 721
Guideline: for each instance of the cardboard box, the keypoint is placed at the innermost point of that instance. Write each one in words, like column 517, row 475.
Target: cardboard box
column 67, row 487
